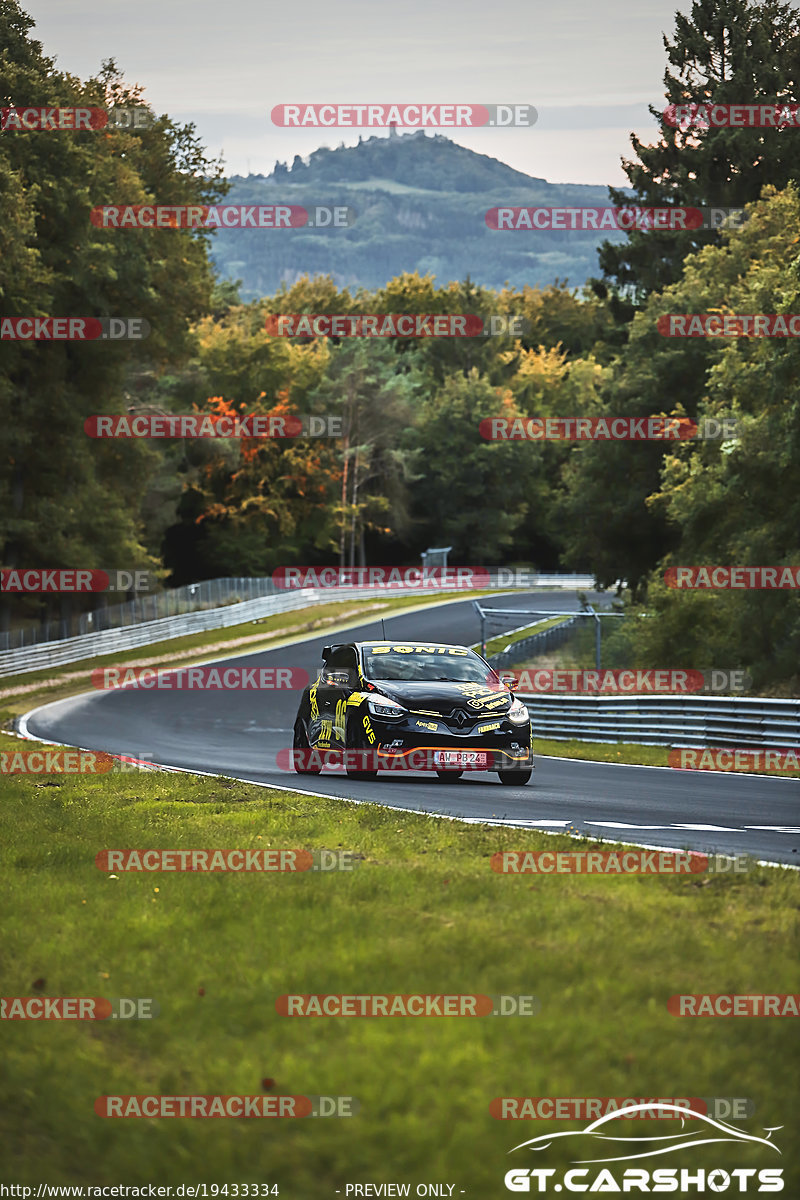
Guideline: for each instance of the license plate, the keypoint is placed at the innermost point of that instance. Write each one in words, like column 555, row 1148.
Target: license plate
column 460, row 758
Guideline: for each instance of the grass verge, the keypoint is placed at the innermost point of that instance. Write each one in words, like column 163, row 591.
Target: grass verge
column 423, row 912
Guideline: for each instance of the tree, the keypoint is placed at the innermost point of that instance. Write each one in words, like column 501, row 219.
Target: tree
column 724, row 52
column 69, row 500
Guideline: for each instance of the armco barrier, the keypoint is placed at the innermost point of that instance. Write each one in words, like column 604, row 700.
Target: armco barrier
column 536, row 643
column 723, row 721
column 110, row 641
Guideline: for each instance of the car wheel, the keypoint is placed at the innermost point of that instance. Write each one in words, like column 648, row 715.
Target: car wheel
column 515, row 778
column 300, row 742
column 449, row 776
column 353, row 772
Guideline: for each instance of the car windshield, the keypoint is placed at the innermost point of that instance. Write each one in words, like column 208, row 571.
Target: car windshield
column 447, row 664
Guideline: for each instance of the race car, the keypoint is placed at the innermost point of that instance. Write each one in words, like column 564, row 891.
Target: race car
column 384, row 706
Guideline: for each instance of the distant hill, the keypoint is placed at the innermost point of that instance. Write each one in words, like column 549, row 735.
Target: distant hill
column 420, row 204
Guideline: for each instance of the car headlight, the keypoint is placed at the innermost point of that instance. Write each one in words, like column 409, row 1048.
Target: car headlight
column 382, row 706
column 518, row 713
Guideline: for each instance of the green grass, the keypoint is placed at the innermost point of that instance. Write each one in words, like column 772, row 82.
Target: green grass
column 422, row 912
column 498, row 644
column 622, row 752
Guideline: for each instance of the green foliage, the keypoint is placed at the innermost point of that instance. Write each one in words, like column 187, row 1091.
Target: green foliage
column 723, row 52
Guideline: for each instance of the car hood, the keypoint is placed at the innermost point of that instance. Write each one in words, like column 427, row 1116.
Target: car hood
column 444, row 697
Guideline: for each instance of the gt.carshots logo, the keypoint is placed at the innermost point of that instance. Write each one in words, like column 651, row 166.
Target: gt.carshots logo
column 407, row 116
column 609, row 1146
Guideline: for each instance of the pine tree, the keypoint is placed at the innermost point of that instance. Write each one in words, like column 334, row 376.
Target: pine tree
column 724, row 52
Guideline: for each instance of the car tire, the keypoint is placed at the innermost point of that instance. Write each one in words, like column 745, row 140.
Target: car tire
column 515, row 778
column 353, row 772
column 300, row 742
column 449, row 776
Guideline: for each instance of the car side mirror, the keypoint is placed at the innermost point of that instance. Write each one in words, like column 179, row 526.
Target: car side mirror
column 326, row 653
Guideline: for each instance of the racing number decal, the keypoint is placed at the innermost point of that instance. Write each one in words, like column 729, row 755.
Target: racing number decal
column 312, row 696
column 339, row 718
column 369, row 730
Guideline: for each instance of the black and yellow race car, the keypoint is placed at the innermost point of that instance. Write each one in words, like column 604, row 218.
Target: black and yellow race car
column 384, row 706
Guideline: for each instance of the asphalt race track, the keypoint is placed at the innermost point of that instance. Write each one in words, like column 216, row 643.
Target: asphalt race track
column 239, row 734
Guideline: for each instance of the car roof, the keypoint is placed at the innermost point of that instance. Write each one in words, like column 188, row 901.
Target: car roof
column 358, row 646
column 410, row 642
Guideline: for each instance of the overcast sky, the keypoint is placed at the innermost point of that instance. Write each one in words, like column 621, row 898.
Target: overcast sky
column 589, row 67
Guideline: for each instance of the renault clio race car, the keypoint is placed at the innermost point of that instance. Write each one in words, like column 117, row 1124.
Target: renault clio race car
column 386, row 706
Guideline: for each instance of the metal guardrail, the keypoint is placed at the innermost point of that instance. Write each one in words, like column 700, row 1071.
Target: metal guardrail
column 172, row 602
column 110, row 641
column 536, row 643
column 722, row 721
